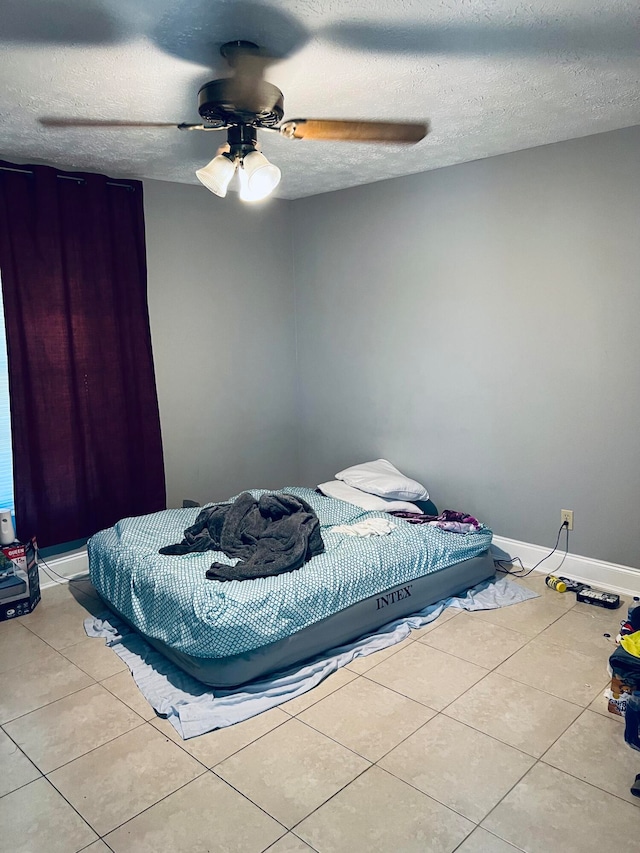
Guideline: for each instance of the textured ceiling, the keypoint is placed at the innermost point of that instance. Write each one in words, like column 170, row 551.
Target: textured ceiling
column 491, row 76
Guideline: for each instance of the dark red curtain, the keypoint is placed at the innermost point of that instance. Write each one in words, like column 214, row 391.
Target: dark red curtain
column 87, row 446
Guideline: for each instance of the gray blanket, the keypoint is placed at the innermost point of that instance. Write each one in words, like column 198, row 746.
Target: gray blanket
column 275, row 534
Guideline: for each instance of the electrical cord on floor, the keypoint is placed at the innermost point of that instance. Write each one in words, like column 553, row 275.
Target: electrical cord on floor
column 54, row 576
column 523, row 572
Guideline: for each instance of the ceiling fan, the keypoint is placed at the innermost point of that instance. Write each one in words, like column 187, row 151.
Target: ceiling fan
column 245, row 102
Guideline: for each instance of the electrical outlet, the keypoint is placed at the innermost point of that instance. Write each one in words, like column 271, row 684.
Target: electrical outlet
column 567, row 515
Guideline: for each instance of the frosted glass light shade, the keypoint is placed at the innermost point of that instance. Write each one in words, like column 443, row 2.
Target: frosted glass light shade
column 217, row 174
column 258, row 177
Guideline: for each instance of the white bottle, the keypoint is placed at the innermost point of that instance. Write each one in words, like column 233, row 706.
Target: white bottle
column 7, row 530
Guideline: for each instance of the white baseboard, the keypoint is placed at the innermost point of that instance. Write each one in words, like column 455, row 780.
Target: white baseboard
column 610, row 577
column 68, row 566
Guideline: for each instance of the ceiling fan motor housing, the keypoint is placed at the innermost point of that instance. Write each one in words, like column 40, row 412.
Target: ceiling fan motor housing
column 224, row 102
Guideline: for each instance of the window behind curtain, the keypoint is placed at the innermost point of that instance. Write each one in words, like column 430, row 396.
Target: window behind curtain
column 6, row 461
column 85, row 426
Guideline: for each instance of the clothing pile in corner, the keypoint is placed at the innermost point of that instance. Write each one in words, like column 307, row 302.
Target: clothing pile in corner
column 449, row 520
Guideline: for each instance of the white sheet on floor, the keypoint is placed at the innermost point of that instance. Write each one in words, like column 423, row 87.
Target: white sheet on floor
column 194, row 708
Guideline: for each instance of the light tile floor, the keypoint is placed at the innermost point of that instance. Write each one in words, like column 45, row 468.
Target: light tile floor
column 482, row 733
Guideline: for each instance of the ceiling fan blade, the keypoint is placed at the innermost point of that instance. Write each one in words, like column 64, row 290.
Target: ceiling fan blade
column 51, row 121
column 540, row 35
column 194, row 30
column 354, row 131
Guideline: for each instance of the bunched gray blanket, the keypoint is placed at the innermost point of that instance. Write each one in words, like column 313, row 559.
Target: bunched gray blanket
column 277, row 533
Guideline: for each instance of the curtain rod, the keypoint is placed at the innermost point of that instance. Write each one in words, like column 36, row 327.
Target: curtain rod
column 66, row 178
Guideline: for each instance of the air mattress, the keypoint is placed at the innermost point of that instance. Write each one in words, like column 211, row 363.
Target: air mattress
column 228, row 633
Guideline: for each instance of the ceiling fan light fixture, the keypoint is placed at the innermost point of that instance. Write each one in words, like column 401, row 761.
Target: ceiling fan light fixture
column 243, row 186
column 216, row 175
column 258, row 177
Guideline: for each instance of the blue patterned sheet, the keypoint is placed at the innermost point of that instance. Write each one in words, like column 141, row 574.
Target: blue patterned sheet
column 169, row 598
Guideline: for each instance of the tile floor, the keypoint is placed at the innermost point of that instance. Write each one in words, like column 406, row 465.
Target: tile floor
column 482, row 733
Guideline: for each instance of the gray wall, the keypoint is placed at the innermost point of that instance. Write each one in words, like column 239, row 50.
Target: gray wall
column 479, row 326
column 221, row 309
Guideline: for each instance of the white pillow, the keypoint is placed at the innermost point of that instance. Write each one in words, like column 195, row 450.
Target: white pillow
column 340, row 490
column 383, row 479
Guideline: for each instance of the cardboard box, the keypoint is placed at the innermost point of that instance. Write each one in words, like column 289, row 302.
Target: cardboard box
column 19, row 579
